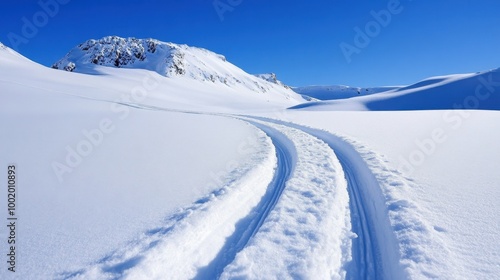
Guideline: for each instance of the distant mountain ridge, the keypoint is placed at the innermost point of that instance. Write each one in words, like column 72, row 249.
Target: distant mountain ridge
column 338, row 91
column 473, row 91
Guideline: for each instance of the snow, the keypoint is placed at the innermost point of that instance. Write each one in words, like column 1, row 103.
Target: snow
column 307, row 234
column 184, row 242
column 339, row 92
column 443, row 210
column 130, row 173
column 167, row 59
column 122, row 188
column 477, row 91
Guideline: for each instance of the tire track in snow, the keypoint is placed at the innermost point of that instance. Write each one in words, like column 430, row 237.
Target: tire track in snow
column 248, row 226
column 375, row 250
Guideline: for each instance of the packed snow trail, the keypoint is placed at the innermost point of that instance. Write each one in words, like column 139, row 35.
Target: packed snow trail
column 375, row 250
column 298, row 227
column 307, row 235
column 365, row 260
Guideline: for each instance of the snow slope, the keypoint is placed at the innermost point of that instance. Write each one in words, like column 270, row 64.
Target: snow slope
column 134, row 174
column 466, row 91
column 143, row 167
column 145, row 87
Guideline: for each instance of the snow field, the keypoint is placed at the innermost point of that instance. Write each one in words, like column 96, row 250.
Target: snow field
column 333, row 208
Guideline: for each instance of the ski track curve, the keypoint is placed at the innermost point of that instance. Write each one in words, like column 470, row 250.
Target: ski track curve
column 307, row 235
column 129, row 262
column 403, row 237
column 372, row 255
column 375, row 252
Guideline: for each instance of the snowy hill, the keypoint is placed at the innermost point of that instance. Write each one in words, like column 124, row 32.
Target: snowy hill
column 145, row 175
column 167, row 59
column 338, row 91
column 180, row 91
column 479, row 90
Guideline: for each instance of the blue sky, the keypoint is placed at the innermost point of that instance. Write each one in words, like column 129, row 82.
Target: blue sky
column 298, row 40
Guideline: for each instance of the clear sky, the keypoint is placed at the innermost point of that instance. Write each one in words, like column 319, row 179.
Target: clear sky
column 314, row 42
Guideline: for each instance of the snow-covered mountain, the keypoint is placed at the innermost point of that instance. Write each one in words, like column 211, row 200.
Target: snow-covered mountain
column 167, row 59
column 178, row 91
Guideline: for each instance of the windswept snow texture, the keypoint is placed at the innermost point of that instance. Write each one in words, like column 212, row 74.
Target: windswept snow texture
column 478, row 91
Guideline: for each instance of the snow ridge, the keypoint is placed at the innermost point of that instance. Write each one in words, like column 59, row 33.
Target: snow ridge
column 167, row 59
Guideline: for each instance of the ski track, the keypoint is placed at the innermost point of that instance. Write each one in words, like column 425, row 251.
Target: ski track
column 400, row 242
column 375, row 252
column 307, row 235
column 135, row 261
column 240, row 239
